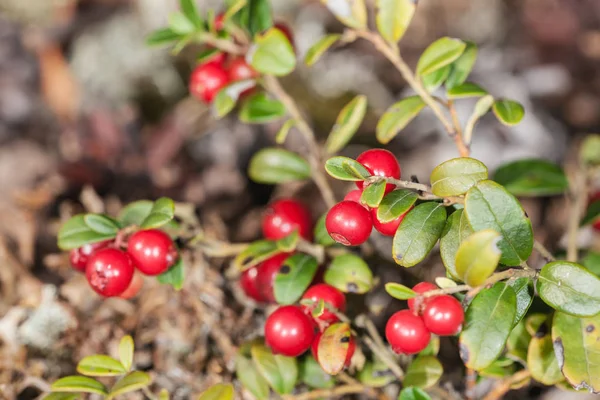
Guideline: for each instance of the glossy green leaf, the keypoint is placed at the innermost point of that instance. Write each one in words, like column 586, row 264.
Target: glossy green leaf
column 461, row 68
column 61, row 396
column 313, row 375
column 569, row 288
column 509, row 112
column 260, row 109
column 281, row 372
column 456, row 176
column 174, row 276
column 439, row 54
column 433, row 348
column 135, row 213
column 423, row 372
column 592, row 262
column 518, row 342
column 347, row 123
column 256, row 16
column 375, row 374
column 352, row 13
column 100, row 365
column 220, row 391
column 413, row 393
column 320, row 233
column 501, row 368
column 456, row 230
column 101, row 224
column 226, row 99
column 162, row 211
column 466, row 90
column 162, row 36
column 250, row 378
column 488, row 323
column 318, row 49
column 288, row 243
column 373, row 194
column 346, row 169
column 524, row 290
column 434, row 80
column 577, row 349
column 592, row 213
column 532, row 177
column 333, row 347
column 397, row 116
column 542, row 362
column 180, row 24
column 78, row 384
column 284, row 130
column 188, row 8
column 349, row 273
column 75, row 233
column 255, row 253
column 489, row 206
column 126, row 349
column 477, row 257
column 395, row 204
column 589, row 152
column 131, row 382
column 272, row 165
column 294, row 277
column 272, row 54
column 398, row 291
column 393, row 18
column 418, row 233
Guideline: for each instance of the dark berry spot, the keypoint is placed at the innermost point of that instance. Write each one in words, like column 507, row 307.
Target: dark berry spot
column 352, row 287
column 345, row 339
column 285, row 269
column 590, row 328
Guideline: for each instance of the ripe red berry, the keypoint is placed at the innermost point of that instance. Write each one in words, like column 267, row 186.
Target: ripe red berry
column 330, row 295
column 286, row 31
column 219, row 22
column 238, row 70
column 249, row 283
column 206, row 81
column 152, row 251
column 421, row 287
column 314, row 348
column 387, row 228
column 288, row 331
column 109, row 272
column 80, row 256
column 354, row 195
column 443, row 315
column 216, row 59
column 406, row 333
column 265, row 280
column 284, row 216
column 349, row 223
column 380, row 162
column 134, row 287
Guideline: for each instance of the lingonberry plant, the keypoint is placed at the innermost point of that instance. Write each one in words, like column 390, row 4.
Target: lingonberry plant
column 511, row 314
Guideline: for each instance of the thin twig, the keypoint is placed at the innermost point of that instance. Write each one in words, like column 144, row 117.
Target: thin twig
column 329, row 393
column 221, row 44
column 424, row 191
column 470, row 382
column 544, row 252
column 578, row 198
column 504, row 386
column 384, row 357
column 313, row 249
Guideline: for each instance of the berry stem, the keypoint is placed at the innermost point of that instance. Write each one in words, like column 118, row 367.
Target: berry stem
column 577, row 202
column 315, row 250
column 423, row 190
column 504, row 386
column 544, row 252
column 221, row 44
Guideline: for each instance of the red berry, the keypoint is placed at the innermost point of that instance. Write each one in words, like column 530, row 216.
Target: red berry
column 79, row 257
column 249, row 283
column 330, row 295
column 134, row 287
column 216, row 59
column 443, row 315
column 238, row 70
column 387, row 228
column 380, row 162
column 421, row 287
column 594, row 198
column 314, row 348
column 288, row 331
column 349, row 223
column 267, row 270
column 286, row 31
column 109, row 272
column 206, row 81
column 219, row 22
column 354, row 195
column 152, row 251
column 407, row 333
column 283, row 217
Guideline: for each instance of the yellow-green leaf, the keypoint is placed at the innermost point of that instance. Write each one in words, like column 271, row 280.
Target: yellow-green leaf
column 393, row 18
column 477, row 257
column 220, row 391
column 461, row 68
column 333, row 347
column 131, row 382
column 373, row 194
column 126, row 348
column 346, row 124
column 349, row 273
column 423, row 372
column 318, row 49
column 272, row 53
column 542, row 362
column 439, row 54
column 466, row 90
column 281, row 372
column 509, row 112
column 100, row 365
column 399, row 291
column 456, row 176
column 397, row 116
column 352, row 13
column 272, row 165
column 78, row 384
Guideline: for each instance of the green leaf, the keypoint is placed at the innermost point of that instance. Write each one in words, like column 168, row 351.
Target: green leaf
column 255, row 16
column 162, row 36
column 418, row 233
column 592, row 262
column 313, row 375
column 589, row 152
column 456, row 230
column 395, row 204
column 250, row 378
column 260, row 109
column 126, row 349
column 321, row 235
column 466, row 90
column 456, row 176
column 477, row 257
column 434, row 80
column 333, row 347
column 439, row 54
column 100, row 365
column 174, row 276
column 534, row 322
column 375, row 374
column 398, row 291
column 180, row 24
column 227, row 98
column 163, row 211
column 101, row 224
column 346, row 169
column 255, row 253
column 288, row 243
column 488, row 323
column 423, row 372
column 272, row 165
column 577, row 348
column 131, row 382
column 393, row 18
column 501, row 368
column 318, row 49
column 461, row 68
column 542, row 362
column 532, row 177
column 78, row 384
column 509, row 112
column 220, row 391
column 489, row 206
column 347, row 123
column 350, row 274
column 75, row 233
column 373, row 194
column 281, row 372
column 413, row 393
column 61, row 396
column 284, row 130
column 135, row 213
column 569, row 288
column 592, row 213
column 272, row 54
column 518, row 342
column 294, row 277
column 481, row 108
column 524, row 291
column 397, row 116
column 351, row 13
column 188, row 7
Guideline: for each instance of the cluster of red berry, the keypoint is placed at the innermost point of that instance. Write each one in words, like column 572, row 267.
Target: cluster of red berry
column 111, row 271
column 350, row 222
column 212, row 75
column 409, row 331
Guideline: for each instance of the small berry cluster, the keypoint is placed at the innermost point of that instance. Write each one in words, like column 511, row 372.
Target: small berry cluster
column 409, row 331
column 350, row 222
column 216, row 72
column 111, row 271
